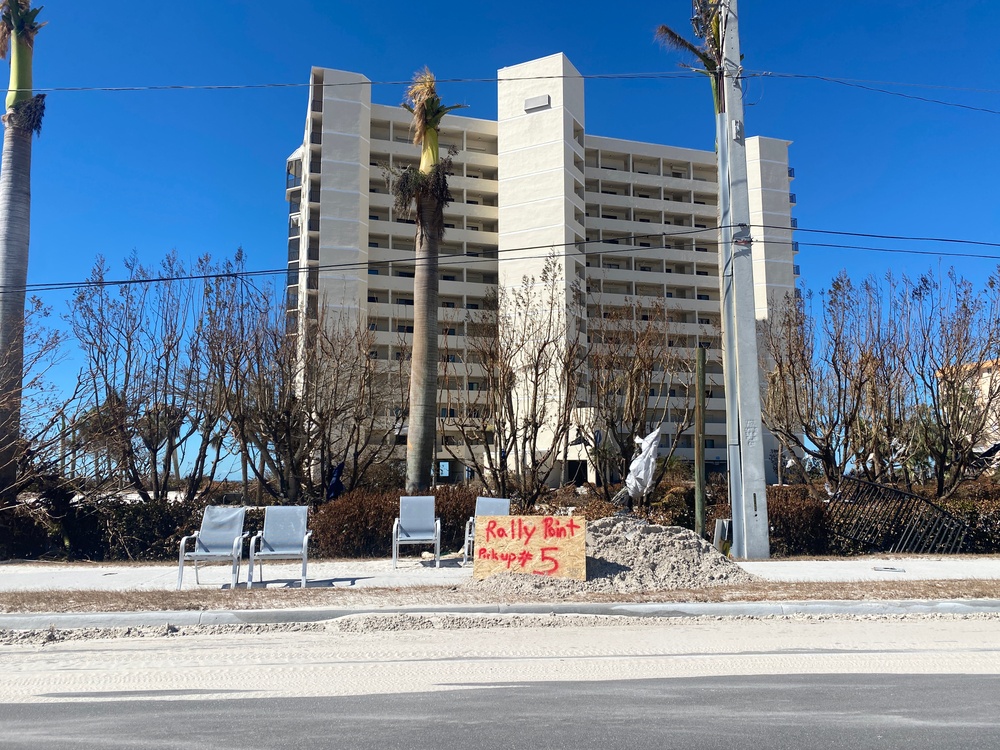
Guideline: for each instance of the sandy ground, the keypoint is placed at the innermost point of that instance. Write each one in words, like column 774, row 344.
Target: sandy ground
column 413, row 654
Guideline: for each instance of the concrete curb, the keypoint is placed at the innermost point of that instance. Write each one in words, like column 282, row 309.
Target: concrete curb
column 73, row 620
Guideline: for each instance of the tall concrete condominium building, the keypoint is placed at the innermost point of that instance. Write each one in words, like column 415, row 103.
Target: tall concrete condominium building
column 628, row 224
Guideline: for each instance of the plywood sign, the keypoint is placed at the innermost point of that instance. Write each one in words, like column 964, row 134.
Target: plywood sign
column 536, row 545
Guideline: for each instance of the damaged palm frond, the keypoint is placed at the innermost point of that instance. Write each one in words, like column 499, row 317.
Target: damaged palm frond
column 18, row 20
column 27, row 115
column 408, row 185
column 423, row 102
column 708, row 27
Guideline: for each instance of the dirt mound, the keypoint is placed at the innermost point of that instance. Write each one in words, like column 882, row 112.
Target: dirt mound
column 629, row 555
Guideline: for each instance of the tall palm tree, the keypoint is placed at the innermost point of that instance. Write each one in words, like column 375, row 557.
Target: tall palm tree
column 427, row 188
column 23, row 117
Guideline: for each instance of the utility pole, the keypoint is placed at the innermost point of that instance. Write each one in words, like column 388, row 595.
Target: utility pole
column 699, row 444
column 743, row 421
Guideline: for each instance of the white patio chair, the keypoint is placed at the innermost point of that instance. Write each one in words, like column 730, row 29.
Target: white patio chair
column 220, row 538
column 284, row 537
column 416, row 525
column 485, row 506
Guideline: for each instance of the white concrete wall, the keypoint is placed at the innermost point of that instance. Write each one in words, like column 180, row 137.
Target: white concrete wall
column 770, row 214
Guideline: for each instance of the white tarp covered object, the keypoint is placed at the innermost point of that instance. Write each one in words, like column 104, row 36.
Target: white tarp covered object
column 643, row 466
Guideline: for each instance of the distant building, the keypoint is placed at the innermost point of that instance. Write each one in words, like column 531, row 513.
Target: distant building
column 629, row 220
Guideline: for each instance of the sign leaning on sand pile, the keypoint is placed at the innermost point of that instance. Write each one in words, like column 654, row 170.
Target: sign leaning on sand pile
column 539, row 545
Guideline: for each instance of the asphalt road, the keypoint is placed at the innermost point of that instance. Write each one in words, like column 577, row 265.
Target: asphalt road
column 542, row 682
column 780, row 712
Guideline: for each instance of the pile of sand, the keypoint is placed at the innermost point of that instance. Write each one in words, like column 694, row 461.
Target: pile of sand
column 626, row 554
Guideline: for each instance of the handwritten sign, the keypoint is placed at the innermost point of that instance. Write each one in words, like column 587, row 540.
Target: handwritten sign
column 535, row 545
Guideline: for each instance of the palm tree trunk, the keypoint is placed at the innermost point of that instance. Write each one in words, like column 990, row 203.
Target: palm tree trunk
column 424, row 357
column 15, row 212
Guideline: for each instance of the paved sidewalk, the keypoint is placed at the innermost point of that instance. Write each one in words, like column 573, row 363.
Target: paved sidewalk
column 40, row 576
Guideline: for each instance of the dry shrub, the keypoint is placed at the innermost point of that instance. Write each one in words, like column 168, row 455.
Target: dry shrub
column 977, row 504
column 146, row 530
column 21, row 535
column 797, row 520
column 674, row 508
column 359, row 523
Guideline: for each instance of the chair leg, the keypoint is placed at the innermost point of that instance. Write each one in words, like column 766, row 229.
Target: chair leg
column 250, row 570
column 437, row 552
column 236, row 573
column 304, row 560
column 196, row 579
column 395, row 551
column 180, row 571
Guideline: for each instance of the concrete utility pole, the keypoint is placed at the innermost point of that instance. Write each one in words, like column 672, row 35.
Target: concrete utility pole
column 743, row 421
column 699, row 443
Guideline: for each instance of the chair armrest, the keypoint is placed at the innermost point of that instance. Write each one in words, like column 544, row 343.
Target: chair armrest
column 256, row 539
column 305, row 542
column 238, row 543
column 437, row 527
column 186, row 539
column 395, row 528
column 470, row 526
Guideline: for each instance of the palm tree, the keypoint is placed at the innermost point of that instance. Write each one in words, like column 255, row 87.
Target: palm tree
column 427, row 188
column 706, row 27
column 18, row 26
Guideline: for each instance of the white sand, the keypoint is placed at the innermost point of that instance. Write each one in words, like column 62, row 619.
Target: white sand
column 403, row 656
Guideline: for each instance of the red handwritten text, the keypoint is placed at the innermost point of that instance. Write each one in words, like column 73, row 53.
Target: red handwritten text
column 553, row 528
column 518, row 529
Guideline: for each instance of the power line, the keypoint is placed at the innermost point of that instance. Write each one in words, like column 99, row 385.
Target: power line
column 666, row 75
column 874, row 86
column 902, row 237
column 867, row 87
column 606, row 249
column 870, row 82
column 350, row 265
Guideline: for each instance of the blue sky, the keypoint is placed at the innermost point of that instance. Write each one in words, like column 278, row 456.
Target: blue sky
column 203, row 171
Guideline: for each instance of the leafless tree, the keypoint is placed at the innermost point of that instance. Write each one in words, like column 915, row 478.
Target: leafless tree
column 953, row 359
column 149, row 388
column 299, row 408
column 817, row 376
column 641, row 375
column 519, row 386
column 40, row 448
column 884, row 440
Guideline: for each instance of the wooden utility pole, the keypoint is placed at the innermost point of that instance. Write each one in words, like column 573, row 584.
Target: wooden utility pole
column 699, row 444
